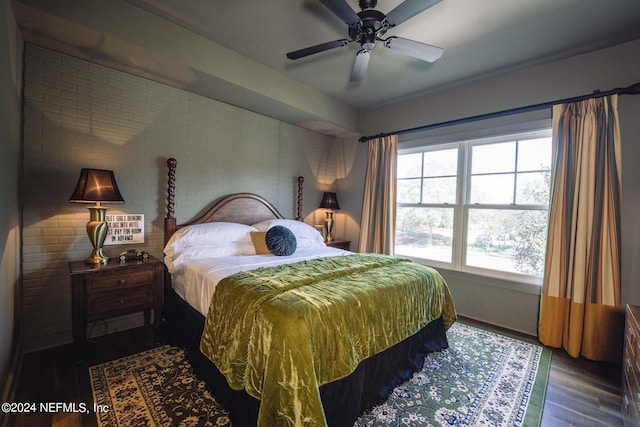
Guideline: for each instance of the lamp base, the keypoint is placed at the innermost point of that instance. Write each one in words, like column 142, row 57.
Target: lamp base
column 328, row 225
column 97, row 257
column 97, row 230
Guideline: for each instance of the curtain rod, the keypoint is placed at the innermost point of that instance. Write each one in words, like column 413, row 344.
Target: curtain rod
column 630, row 90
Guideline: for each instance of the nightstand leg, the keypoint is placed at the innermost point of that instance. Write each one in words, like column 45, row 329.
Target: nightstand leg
column 157, row 321
column 147, row 317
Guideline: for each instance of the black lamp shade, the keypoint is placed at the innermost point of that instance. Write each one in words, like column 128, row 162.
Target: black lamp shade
column 329, row 201
column 96, row 185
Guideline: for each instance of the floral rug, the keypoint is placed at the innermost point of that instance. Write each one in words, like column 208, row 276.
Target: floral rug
column 153, row 388
column 483, row 379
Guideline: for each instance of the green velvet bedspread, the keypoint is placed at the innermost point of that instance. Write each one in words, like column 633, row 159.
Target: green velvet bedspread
column 281, row 332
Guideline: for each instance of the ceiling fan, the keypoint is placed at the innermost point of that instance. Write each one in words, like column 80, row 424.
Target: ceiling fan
column 368, row 26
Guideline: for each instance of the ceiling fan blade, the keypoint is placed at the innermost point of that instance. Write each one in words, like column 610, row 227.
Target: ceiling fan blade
column 342, row 10
column 317, row 49
column 408, row 9
column 423, row 51
column 360, row 65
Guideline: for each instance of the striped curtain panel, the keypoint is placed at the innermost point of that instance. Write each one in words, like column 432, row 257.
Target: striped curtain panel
column 378, row 225
column 580, row 303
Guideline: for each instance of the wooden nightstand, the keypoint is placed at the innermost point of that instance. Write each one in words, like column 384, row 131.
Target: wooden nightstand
column 103, row 291
column 340, row 244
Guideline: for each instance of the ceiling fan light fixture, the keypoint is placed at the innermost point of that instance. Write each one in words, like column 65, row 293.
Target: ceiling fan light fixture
column 367, row 45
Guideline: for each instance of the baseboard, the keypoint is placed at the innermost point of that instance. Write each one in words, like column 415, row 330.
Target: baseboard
column 498, row 327
column 11, row 383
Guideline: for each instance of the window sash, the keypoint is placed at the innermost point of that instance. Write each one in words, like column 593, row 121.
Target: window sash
column 462, row 205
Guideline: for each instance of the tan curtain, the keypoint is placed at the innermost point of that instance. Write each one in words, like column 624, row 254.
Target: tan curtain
column 580, row 304
column 378, row 225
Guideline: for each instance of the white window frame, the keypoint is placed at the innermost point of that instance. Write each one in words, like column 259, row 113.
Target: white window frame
column 462, row 207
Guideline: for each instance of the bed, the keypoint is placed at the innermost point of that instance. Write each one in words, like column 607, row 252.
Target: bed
column 296, row 333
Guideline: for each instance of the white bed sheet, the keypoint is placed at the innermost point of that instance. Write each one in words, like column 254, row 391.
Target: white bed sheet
column 195, row 282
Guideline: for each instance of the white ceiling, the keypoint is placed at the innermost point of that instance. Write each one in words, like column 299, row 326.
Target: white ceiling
column 234, row 51
column 480, row 38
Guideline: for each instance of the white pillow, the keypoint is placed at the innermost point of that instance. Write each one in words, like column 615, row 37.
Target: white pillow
column 310, row 243
column 303, row 231
column 196, row 253
column 209, row 234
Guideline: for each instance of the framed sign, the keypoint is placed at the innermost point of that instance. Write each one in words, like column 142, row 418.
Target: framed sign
column 124, row 229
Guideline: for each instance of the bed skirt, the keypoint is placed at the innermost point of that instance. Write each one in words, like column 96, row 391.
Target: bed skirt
column 343, row 400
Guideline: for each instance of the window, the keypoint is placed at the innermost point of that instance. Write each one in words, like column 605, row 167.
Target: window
column 477, row 205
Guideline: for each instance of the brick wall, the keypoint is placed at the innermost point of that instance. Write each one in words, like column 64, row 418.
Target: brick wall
column 78, row 114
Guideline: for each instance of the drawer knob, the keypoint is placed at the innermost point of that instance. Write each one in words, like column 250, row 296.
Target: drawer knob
column 121, row 301
column 123, row 281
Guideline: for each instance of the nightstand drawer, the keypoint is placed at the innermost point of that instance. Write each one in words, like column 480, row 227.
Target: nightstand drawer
column 630, row 400
column 100, row 304
column 112, row 280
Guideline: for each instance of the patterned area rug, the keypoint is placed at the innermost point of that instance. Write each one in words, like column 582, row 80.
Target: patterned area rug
column 483, row 379
column 153, row 388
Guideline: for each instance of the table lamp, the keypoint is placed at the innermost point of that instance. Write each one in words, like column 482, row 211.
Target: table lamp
column 329, row 201
column 96, row 186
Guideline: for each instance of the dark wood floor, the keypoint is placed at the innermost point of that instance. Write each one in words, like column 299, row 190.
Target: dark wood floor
column 580, row 392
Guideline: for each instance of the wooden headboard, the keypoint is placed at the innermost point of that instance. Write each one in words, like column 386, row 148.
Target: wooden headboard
column 244, row 208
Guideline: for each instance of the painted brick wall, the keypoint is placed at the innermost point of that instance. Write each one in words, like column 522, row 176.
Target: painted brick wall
column 78, row 114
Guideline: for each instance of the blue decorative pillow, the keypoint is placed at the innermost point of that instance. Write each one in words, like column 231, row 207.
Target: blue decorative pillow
column 280, row 241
